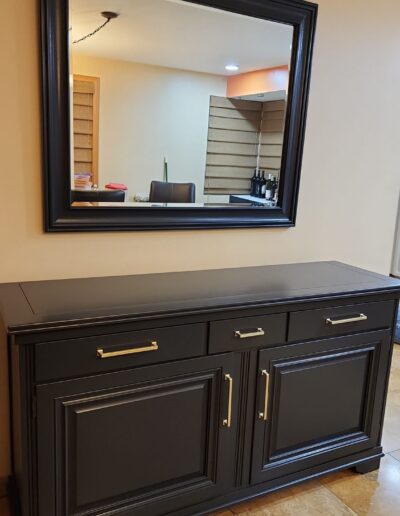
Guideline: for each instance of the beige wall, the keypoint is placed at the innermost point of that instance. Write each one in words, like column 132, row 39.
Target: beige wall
column 146, row 113
column 350, row 180
column 261, row 81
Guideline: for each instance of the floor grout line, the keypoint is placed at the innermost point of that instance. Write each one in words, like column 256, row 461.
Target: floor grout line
column 395, row 458
column 352, row 511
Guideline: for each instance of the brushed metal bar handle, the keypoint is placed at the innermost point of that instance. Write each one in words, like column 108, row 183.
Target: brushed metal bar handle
column 109, row 354
column 246, row 335
column 228, row 421
column 264, row 415
column 331, row 322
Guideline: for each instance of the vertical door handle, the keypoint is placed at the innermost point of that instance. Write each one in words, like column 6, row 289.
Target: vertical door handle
column 228, row 421
column 263, row 415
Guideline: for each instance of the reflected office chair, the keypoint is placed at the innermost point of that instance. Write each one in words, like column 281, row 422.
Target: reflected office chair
column 161, row 191
column 97, row 196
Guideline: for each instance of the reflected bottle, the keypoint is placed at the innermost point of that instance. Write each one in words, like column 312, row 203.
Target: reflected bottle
column 253, row 183
column 276, row 190
column 273, row 189
column 263, row 185
column 257, row 187
column 269, row 186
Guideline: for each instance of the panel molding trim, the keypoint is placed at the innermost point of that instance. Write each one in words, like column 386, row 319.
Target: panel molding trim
column 73, row 410
column 281, row 369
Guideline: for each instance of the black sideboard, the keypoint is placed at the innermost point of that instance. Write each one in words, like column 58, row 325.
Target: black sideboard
column 186, row 392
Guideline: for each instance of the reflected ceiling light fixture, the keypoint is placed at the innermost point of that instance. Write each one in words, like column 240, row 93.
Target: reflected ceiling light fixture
column 232, row 68
column 108, row 15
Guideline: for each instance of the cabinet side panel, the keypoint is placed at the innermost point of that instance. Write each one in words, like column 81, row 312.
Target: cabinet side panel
column 21, row 416
column 5, row 461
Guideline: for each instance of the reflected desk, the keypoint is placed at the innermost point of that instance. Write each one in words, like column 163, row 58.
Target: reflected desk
column 255, row 201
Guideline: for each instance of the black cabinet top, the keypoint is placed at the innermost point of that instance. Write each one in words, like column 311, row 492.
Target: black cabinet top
column 41, row 305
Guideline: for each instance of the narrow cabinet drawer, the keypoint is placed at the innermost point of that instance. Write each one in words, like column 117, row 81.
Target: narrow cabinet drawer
column 103, row 353
column 247, row 332
column 340, row 320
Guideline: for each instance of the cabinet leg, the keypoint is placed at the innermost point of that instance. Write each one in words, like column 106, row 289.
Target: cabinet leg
column 368, row 466
column 12, row 493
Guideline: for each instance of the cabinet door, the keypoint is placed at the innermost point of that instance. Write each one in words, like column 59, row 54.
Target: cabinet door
column 145, row 441
column 318, row 402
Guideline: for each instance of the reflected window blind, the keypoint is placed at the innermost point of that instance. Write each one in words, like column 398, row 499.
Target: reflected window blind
column 232, row 145
column 242, row 135
column 86, row 125
column 271, row 136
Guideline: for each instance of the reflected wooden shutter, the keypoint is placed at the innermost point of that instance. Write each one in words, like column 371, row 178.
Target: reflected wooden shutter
column 271, row 137
column 232, row 145
column 86, row 125
column 242, row 135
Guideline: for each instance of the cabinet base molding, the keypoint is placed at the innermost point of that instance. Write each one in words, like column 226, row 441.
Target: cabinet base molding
column 368, row 466
column 362, row 463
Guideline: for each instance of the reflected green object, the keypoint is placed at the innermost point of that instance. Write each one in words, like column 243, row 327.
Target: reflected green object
column 165, row 169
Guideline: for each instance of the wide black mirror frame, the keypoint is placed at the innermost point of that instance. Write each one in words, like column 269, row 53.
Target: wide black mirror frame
column 61, row 216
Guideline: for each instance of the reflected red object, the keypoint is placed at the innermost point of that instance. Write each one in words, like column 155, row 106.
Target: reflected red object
column 116, row 186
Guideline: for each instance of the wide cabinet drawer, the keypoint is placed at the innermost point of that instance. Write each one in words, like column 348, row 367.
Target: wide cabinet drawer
column 79, row 357
column 340, row 320
column 318, row 402
column 142, row 442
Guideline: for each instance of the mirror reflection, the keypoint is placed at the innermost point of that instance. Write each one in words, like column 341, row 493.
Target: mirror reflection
column 175, row 104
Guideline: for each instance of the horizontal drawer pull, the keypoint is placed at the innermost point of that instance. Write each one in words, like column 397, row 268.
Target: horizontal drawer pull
column 358, row 318
column 109, row 354
column 246, row 335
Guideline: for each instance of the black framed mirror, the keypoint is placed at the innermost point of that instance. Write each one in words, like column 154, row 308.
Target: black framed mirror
column 170, row 114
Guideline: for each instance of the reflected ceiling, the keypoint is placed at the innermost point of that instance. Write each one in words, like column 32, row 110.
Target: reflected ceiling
column 189, row 38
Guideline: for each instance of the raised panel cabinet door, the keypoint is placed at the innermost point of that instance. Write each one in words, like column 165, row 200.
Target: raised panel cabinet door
column 140, row 442
column 317, row 402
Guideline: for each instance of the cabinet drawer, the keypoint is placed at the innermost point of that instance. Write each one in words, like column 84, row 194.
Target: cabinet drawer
column 119, row 351
column 340, row 320
column 247, row 332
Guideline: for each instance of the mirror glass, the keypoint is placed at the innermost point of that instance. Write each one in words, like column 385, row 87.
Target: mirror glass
column 175, row 104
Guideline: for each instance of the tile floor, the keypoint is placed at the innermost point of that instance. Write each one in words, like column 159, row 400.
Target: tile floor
column 341, row 494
